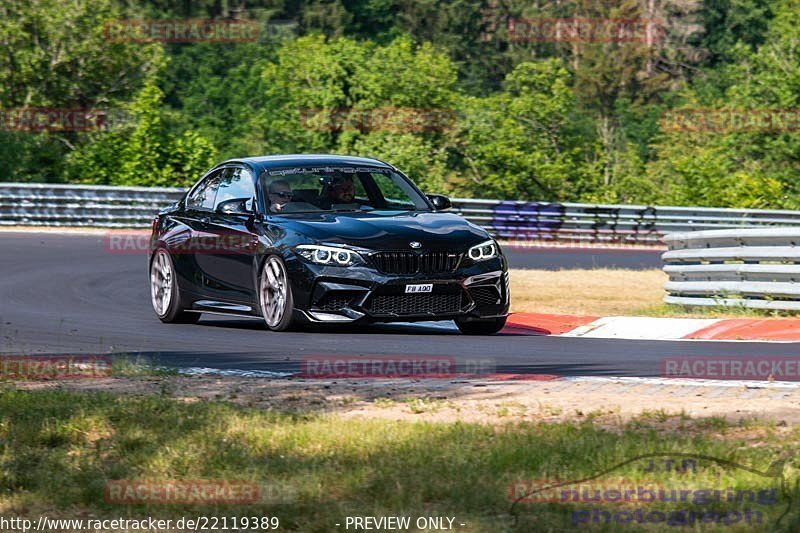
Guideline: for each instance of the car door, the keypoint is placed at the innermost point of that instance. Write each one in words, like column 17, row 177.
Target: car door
column 189, row 249
column 228, row 266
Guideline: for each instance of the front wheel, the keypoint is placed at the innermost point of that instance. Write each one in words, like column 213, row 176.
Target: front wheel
column 275, row 295
column 164, row 293
column 481, row 327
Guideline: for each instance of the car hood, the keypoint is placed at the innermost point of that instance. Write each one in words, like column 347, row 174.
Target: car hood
column 376, row 231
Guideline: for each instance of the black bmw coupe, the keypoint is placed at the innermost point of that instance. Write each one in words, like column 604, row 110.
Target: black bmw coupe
column 322, row 239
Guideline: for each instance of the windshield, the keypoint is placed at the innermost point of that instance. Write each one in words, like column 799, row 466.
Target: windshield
column 339, row 189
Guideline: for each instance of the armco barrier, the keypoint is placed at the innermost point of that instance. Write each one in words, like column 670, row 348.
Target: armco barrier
column 29, row 204
column 118, row 207
column 756, row 268
column 608, row 223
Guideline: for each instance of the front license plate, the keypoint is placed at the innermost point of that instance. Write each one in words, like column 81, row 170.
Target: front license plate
column 421, row 287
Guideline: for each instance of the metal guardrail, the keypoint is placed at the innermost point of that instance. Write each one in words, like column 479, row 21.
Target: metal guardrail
column 31, row 204
column 636, row 224
column 133, row 207
column 754, row 268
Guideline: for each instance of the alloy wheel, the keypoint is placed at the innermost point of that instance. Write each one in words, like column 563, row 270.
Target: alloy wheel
column 274, row 289
column 161, row 283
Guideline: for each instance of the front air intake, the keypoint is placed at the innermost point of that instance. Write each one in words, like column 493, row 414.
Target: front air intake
column 413, row 262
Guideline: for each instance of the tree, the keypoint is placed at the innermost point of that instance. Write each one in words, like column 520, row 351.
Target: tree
column 315, row 85
column 523, row 143
column 731, row 22
column 56, row 55
column 750, row 166
column 144, row 152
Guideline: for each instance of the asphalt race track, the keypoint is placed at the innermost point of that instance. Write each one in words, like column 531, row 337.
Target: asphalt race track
column 66, row 294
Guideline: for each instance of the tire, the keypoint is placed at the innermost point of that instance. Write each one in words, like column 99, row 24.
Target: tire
column 164, row 293
column 481, row 327
column 275, row 295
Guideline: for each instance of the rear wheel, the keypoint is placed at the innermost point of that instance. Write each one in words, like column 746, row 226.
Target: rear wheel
column 275, row 295
column 164, row 292
column 481, row 327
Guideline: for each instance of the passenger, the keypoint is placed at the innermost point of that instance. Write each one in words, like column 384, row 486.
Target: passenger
column 343, row 190
column 340, row 194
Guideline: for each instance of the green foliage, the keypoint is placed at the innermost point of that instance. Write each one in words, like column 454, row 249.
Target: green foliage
column 522, row 143
column 144, row 152
column 732, row 22
column 25, row 157
column 55, row 54
column 547, row 121
column 736, row 167
column 418, row 157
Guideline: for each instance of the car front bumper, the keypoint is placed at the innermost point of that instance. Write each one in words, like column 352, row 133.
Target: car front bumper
column 362, row 293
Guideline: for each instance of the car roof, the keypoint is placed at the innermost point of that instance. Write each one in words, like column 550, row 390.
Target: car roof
column 290, row 160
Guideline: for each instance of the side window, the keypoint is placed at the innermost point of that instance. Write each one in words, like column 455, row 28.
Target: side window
column 203, row 195
column 237, row 183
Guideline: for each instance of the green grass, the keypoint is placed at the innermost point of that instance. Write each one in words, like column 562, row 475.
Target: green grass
column 57, row 449
column 424, row 405
column 122, row 366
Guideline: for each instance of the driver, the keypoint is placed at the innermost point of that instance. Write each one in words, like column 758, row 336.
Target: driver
column 280, row 194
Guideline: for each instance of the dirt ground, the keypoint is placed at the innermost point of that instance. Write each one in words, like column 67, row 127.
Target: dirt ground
column 610, row 402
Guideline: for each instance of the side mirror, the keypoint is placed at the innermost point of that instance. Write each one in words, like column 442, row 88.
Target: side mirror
column 440, row 202
column 235, row 206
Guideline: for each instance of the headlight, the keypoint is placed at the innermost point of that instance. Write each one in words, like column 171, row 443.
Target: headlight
column 328, row 255
column 483, row 251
